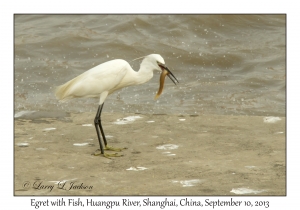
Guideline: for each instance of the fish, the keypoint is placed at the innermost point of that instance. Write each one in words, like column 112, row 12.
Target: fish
column 163, row 75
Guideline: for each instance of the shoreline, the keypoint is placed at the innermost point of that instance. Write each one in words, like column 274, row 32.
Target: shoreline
column 166, row 155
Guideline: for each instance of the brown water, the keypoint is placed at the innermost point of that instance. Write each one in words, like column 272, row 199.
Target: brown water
column 226, row 64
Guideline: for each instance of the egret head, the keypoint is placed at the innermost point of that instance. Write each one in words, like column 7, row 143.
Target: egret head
column 151, row 61
column 156, row 62
column 157, row 59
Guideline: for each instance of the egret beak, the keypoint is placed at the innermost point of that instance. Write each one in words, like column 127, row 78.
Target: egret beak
column 170, row 75
column 165, row 72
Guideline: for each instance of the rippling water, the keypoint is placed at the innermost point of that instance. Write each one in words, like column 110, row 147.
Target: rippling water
column 226, row 64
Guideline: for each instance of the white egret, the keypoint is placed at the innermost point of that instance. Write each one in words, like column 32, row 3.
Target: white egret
column 108, row 77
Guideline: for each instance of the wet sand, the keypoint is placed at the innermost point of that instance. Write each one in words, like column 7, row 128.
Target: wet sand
column 166, row 155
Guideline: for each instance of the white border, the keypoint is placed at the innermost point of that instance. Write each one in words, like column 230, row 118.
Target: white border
column 8, row 8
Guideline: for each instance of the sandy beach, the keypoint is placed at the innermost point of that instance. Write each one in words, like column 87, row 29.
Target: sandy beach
column 166, row 155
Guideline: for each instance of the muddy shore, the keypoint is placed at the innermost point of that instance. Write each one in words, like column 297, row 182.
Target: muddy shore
column 166, row 155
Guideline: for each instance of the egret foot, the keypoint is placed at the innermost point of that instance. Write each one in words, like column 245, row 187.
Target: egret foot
column 114, row 149
column 107, row 155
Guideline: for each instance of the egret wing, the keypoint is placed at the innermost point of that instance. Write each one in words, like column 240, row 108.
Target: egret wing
column 93, row 82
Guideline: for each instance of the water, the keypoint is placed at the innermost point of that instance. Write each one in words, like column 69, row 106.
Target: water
column 226, row 64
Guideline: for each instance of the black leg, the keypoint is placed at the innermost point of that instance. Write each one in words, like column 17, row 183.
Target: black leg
column 99, row 129
column 98, row 125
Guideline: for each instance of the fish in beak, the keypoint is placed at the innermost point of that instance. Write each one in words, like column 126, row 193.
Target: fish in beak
column 164, row 72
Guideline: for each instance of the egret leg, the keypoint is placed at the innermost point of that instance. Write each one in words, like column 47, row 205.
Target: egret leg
column 96, row 122
column 98, row 126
